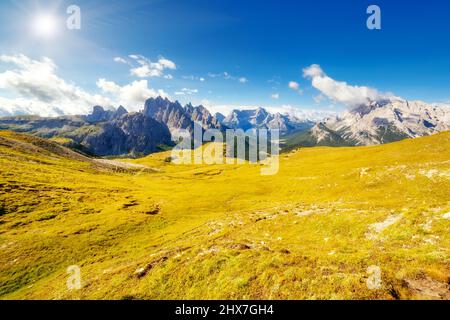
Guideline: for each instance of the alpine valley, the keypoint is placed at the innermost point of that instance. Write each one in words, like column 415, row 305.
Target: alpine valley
column 116, row 132
column 101, row 193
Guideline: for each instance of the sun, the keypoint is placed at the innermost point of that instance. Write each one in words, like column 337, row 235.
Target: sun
column 45, row 25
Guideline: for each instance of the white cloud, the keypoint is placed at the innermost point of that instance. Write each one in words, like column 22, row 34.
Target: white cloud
column 225, row 109
column 340, row 91
column 194, row 78
column 225, row 75
column 312, row 71
column 275, row 96
column 120, row 60
column 35, row 88
column 186, row 92
column 165, row 63
column 275, row 80
column 145, row 72
column 443, row 104
column 295, row 86
column 144, row 68
column 319, row 98
column 147, row 68
column 310, row 114
column 132, row 96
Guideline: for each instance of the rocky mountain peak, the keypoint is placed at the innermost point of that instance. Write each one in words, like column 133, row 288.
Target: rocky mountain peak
column 387, row 121
column 121, row 111
column 177, row 117
column 262, row 119
column 219, row 116
column 99, row 114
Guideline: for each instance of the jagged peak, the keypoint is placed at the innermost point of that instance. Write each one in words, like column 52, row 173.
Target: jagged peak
column 98, row 108
column 121, row 109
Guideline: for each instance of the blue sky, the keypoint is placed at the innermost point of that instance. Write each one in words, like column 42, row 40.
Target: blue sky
column 246, row 52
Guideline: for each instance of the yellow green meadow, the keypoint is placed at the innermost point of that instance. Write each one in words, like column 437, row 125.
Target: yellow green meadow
column 151, row 229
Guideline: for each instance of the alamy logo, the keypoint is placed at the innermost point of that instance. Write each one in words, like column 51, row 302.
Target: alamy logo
column 74, row 279
column 73, row 22
column 257, row 146
column 374, row 281
column 374, row 20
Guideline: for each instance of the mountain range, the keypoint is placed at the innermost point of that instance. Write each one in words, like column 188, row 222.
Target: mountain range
column 374, row 123
column 114, row 132
column 176, row 117
column 262, row 119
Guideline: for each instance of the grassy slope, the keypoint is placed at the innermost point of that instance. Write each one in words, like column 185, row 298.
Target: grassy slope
column 225, row 231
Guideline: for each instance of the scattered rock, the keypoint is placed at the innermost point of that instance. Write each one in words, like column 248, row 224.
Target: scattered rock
column 430, row 174
column 428, row 226
column 363, row 172
column 431, row 239
column 154, row 211
column 240, row 246
column 427, row 288
column 304, row 213
column 213, row 249
column 47, row 217
column 377, row 228
column 142, row 272
column 130, row 204
column 85, row 230
column 214, row 232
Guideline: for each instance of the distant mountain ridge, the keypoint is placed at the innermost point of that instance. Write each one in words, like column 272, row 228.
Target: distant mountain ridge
column 101, row 133
column 377, row 122
column 176, row 117
column 112, row 132
column 101, row 115
column 260, row 118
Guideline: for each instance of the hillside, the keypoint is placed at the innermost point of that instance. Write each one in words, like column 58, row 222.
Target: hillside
column 149, row 229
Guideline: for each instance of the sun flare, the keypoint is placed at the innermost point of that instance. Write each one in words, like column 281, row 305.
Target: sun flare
column 45, row 25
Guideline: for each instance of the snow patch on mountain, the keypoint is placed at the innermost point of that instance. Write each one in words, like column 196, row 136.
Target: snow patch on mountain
column 260, row 118
column 389, row 120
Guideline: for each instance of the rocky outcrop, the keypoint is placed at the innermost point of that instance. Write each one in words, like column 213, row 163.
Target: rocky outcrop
column 220, row 117
column 130, row 134
column 172, row 114
column 101, row 115
column 201, row 115
column 177, row 117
